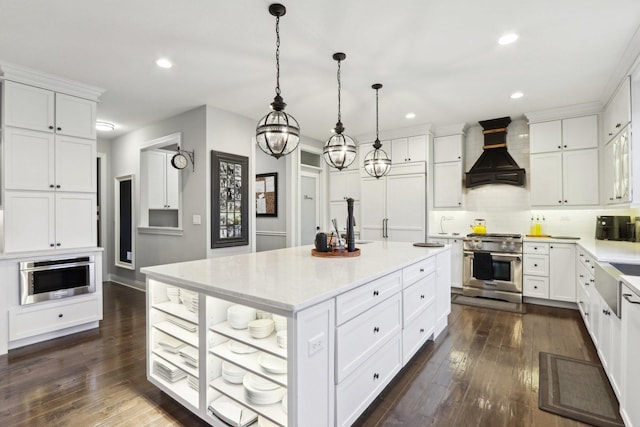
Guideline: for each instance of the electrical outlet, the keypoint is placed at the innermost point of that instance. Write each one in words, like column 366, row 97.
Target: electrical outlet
column 316, row 344
column 197, row 220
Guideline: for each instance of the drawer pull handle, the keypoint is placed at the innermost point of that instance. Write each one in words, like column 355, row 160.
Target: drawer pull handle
column 586, row 283
column 535, row 265
column 376, row 330
column 375, row 293
column 376, row 376
column 60, row 315
column 421, row 330
column 422, row 270
column 421, row 296
column 628, row 298
column 535, row 287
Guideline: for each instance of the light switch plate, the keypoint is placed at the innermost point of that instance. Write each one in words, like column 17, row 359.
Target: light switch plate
column 197, row 220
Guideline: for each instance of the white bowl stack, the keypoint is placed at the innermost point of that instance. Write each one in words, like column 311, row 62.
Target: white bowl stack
column 260, row 391
column 261, row 328
column 281, row 339
column 260, row 314
column 232, row 373
column 280, row 322
column 174, row 294
column 239, row 316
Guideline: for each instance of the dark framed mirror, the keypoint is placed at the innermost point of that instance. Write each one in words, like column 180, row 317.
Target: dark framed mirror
column 124, row 222
column 229, row 200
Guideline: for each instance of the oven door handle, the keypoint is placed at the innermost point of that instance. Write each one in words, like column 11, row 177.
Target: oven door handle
column 498, row 256
column 58, row 266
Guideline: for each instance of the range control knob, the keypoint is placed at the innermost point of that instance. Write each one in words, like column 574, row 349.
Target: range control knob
column 478, row 244
column 503, row 246
column 512, row 246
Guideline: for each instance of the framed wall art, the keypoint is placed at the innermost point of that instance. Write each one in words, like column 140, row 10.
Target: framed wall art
column 266, row 189
column 229, row 200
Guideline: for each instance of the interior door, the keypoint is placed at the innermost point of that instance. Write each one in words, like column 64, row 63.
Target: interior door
column 309, row 209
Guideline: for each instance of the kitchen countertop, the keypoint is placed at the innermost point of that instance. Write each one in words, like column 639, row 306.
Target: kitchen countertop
column 289, row 279
column 633, row 282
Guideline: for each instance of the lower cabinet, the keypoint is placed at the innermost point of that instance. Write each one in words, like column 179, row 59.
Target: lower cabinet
column 549, row 272
column 456, row 258
column 630, row 332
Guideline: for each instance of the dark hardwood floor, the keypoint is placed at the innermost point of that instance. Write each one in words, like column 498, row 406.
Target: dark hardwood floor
column 482, row 371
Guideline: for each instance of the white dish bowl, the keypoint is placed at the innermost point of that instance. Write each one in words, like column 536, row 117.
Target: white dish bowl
column 239, row 316
column 281, row 338
column 272, row 364
column 261, row 397
column 240, row 348
column 261, row 328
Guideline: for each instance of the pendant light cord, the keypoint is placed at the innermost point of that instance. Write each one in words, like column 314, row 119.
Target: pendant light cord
column 377, row 135
column 278, row 55
column 339, row 87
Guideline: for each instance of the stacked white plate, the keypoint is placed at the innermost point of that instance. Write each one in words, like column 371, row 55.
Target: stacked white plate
column 174, row 294
column 240, row 348
column 263, row 314
column 260, row 391
column 187, row 326
column 189, row 299
column 168, row 371
column 239, row 316
column 232, row 413
column 170, row 344
column 284, row 404
column 193, row 382
column 281, row 338
column 272, row 364
column 280, row 322
column 189, row 355
column 261, row 328
column 232, row 373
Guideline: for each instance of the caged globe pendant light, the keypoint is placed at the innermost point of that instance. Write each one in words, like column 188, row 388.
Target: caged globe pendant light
column 340, row 150
column 377, row 163
column 277, row 133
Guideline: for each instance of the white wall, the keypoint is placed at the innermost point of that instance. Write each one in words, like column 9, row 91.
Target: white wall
column 507, row 208
column 271, row 232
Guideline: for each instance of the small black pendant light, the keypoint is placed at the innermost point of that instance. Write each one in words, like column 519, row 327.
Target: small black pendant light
column 340, row 150
column 278, row 133
column 376, row 162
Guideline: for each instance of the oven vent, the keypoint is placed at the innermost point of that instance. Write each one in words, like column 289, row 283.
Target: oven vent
column 495, row 165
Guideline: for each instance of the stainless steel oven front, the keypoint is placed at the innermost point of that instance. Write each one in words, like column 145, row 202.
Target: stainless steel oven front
column 56, row 278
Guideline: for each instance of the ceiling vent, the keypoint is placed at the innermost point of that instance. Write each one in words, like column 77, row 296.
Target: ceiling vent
column 495, row 165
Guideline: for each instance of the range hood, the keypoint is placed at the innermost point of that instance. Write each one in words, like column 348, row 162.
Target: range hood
column 495, row 165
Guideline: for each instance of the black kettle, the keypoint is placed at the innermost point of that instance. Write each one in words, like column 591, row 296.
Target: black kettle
column 322, row 242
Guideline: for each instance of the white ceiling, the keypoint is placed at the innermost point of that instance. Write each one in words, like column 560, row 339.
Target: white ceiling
column 438, row 59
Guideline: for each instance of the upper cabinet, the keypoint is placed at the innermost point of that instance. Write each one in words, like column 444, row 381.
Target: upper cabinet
column 411, row 149
column 617, row 113
column 568, row 134
column 447, row 148
column 344, row 184
column 43, row 110
column 447, row 171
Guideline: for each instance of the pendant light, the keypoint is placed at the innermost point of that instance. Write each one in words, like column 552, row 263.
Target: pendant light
column 377, row 163
column 340, row 150
column 277, row 133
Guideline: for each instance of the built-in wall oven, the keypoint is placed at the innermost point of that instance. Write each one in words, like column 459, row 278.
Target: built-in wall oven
column 493, row 266
column 56, row 278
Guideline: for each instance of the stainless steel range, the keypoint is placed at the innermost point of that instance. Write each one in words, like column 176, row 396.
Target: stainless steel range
column 493, row 266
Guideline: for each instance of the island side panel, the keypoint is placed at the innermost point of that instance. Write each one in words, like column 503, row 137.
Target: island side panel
column 311, row 391
column 443, row 290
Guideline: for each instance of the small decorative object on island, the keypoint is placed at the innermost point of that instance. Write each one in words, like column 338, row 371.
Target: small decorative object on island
column 377, row 163
column 340, row 150
column 351, row 238
column 277, row 133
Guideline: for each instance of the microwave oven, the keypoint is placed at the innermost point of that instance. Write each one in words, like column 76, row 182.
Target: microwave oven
column 56, row 278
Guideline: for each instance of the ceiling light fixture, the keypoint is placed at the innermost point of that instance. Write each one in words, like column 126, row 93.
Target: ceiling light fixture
column 164, row 63
column 508, row 38
column 277, row 133
column 340, row 150
column 410, row 116
column 377, row 163
column 517, row 95
column 105, row 126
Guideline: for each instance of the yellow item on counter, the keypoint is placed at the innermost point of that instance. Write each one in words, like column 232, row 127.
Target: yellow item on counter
column 537, row 229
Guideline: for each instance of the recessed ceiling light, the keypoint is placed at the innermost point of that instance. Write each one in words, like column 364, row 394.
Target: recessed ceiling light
column 508, row 38
column 164, row 63
column 410, row 115
column 105, row 126
column 516, row 95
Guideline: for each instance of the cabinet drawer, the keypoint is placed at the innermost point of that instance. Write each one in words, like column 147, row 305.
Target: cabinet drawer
column 27, row 322
column 352, row 303
column 418, row 296
column 535, row 248
column 537, row 265
column 416, row 333
column 535, row 286
column 418, row 270
column 357, row 392
column 362, row 336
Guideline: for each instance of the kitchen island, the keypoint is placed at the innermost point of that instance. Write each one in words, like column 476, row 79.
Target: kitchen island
column 352, row 324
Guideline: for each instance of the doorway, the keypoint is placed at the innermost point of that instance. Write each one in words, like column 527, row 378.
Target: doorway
column 309, row 206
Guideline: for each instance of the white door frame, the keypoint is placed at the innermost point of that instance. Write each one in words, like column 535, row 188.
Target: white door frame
column 103, row 194
column 318, row 176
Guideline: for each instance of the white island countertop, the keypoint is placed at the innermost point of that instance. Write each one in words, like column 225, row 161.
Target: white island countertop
column 289, row 279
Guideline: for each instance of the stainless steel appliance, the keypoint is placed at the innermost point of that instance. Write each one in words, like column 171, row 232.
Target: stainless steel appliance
column 56, row 278
column 493, row 266
column 609, row 285
column 611, row 227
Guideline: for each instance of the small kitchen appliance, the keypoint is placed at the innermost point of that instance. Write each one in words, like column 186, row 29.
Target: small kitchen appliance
column 321, row 242
column 611, row 227
column 479, row 226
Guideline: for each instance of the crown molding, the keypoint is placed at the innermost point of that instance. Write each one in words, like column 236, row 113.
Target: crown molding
column 385, row 135
column 28, row 76
column 454, row 129
column 564, row 112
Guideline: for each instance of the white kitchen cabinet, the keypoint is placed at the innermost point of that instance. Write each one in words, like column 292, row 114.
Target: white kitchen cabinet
column 36, row 220
column 46, row 111
column 562, row 274
column 411, row 149
column 616, row 168
column 447, row 185
column 162, row 180
column 456, row 258
column 630, row 409
column 535, row 286
column 617, row 113
column 567, row 134
column 344, row 184
column 535, row 270
column 546, row 179
column 394, row 207
column 447, row 148
column 545, row 137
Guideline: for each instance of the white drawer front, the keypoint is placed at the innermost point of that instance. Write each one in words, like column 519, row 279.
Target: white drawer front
column 535, row 286
column 362, row 336
column 418, row 296
column 537, row 265
column 357, row 392
column 25, row 322
column 535, row 248
column 418, row 270
column 415, row 334
column 352, row 303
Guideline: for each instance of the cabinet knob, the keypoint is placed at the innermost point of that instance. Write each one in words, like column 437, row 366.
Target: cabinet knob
column 52, row 244
column 422, row 270
column 421, row 296
column 550, row 247
column 559, row 201
column 60, row 315
column 58, row 186
column 51, row 186
column 535, row 287
column 376, row 376
column 610, row 133
column 618, row 125
column 50, row 127
column 59, row 128
column 559, row 146
column 458, row 157
column 565, row 201
column 586, row 283
column 565, row 146
column 421, row 330
column 58, row 244
column 375, row 293
column 535, row 265
column 376, row 329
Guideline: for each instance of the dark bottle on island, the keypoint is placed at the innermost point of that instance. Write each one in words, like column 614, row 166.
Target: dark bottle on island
column 351, row 238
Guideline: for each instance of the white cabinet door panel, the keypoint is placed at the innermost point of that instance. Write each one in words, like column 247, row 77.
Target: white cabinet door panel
column 546, row 179
column 28, row 160
column 447, row 185
column 75, row 116
column 630, row 357
column 373, row 208
column 75, row 220
column 406, row 207
column 562, row 279
column 417, row 297
column 29, row 221
column 447, row 148
column 545, row 137
column 28, row 107
column 417, row 148
column 580, row 177
column 75, row 164
column 580, row 132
